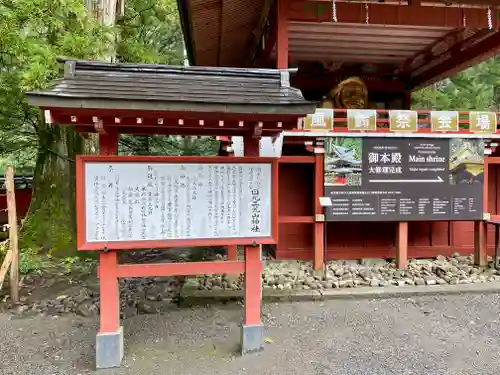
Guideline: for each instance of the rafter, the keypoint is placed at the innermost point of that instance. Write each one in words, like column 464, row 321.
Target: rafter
column 392, row 14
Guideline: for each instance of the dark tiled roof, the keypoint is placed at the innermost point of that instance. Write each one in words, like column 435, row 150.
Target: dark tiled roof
column 90, row 83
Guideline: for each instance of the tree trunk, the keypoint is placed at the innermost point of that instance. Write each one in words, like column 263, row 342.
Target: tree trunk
column 51, row 220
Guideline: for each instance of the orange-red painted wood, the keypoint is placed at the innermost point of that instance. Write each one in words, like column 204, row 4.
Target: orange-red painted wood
column 253, row 293
column 180, row 269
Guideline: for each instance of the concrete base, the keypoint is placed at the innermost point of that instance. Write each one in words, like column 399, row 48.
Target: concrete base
column 252, row 338
column 109, row 349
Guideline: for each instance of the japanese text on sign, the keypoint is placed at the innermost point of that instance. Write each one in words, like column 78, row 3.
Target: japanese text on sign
column 402, row 120
column 321, row 120
column 163, row 201
column 444, row 121
column 483, row 122
column 361, row 119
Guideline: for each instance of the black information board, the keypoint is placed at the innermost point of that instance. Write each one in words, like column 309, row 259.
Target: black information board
column 404, row 179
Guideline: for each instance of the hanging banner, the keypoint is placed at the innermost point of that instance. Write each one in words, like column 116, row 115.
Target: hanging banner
column 321, row 120
column 404, row 179
column 362, row 119
column 483, row 122
column 444, row 121
column 403, row 121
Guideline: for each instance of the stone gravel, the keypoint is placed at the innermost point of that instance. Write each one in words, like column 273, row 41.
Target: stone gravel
column 288, row 275
column 455, row 334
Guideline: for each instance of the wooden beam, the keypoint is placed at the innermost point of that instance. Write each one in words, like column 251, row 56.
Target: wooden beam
column 270, row 43
column 282, row 35
column 482, row 3
column 428, row 54
column 261, row 31
column 7, row 260
column 387, row 14
column 458, row 60
column 329, row 80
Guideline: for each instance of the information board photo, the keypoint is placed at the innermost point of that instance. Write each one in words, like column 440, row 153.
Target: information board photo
column 404, row 179
column 134, row 201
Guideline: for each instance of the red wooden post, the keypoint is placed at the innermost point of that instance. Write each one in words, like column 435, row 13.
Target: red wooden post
column 402, row 245
column 253, row 268
column 252, row 334
column 232, row 252
column 480, row 243
column 109, row 341
column 480, row 227
column 282, row 32
column 109, row 288
column 319, row 225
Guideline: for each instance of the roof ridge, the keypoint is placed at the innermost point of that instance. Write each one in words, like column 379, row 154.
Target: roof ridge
column 73, row 67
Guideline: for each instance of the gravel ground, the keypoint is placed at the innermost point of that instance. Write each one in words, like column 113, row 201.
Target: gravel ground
column 426, row 335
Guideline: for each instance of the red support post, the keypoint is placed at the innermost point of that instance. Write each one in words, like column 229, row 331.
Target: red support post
column 110, row 305
column 252, row 330
column 402, row 245
column 480, row 243
column 232, row 252
column 319, row 225
column 253, row 268
column 109, row 341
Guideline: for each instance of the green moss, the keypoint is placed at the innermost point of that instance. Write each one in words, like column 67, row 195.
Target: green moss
column 50, row 227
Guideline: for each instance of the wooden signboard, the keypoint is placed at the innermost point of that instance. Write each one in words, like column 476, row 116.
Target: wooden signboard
column 403, row 121
column 158, row 202
column 321, row 120
column 483, row 122
column 362, row 119
column 444, row 121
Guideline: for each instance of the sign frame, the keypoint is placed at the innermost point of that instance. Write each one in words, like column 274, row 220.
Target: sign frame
column 83, row 245
column 384, row 197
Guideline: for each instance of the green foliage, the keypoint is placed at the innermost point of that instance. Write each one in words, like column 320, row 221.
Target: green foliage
column 33, row 34
column 47, row 227
column 477, row 88
column 78, row 265
column 150, row 32
column 169, row 146
column 29, row 261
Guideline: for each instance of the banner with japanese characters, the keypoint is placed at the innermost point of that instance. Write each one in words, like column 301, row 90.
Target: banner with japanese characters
column 127, row 201
column 404, row 179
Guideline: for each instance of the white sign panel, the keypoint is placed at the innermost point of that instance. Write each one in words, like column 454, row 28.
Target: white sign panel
column 268, row 146
column 130, row 201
